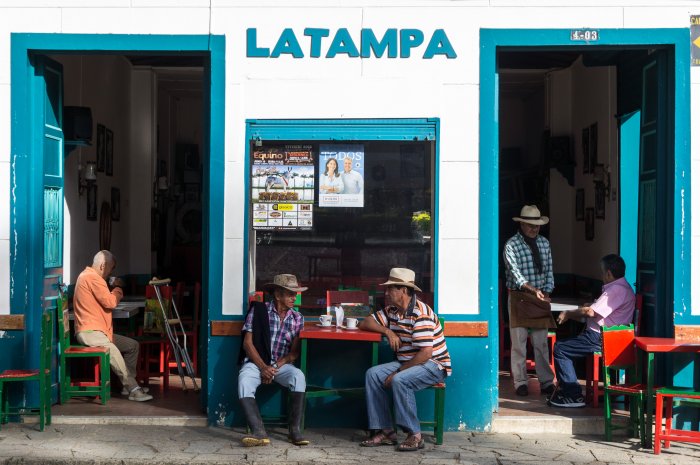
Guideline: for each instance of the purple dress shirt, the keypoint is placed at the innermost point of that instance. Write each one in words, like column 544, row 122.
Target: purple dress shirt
column 615, row 306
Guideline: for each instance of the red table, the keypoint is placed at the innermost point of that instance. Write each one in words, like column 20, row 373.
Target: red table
column 335, row 334
column 651, row 346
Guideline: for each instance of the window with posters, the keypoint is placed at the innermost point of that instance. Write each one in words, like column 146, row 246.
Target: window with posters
column 367, row 205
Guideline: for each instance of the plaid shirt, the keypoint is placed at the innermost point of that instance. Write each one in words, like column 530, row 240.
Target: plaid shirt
column 520, row 267
column 282, row 333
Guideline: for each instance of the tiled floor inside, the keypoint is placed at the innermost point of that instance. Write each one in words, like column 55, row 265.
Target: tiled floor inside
column 166, row 403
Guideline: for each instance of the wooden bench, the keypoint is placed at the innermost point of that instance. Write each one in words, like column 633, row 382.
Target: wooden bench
column 11, row 322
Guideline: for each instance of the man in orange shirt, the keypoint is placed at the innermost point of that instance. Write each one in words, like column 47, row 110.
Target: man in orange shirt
column 93, row 304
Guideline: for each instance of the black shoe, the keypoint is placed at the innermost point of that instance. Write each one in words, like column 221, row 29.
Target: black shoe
column 521, row 390
column 548, row 391
column 560, row 400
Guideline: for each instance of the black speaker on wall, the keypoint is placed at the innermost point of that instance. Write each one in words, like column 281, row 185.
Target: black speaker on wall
column 77, row 124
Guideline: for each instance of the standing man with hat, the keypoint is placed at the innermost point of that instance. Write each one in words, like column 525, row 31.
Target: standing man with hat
column 528, row 266
column 415, row 334
column 271, row 345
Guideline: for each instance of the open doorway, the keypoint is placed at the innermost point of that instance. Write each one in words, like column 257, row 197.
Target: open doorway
column 133, row 184
column 561, row 115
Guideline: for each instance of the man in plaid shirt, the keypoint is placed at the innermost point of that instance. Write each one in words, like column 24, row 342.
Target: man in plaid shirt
column 528, row 264
column 271, row 344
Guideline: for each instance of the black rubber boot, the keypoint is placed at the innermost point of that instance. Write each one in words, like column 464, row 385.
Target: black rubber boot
column 258, row 437
column 296, row 413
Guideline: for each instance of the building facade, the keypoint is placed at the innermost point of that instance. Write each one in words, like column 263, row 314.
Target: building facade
column 213, row 125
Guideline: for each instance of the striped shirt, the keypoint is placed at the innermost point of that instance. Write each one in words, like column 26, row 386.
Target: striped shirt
column 416, row 329
column 520, row 266
column 282, row 333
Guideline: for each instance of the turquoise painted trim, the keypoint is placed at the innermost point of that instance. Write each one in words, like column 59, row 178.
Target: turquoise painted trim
column 629, row 191
column 26, row 254
column 489, row 254
column 334, row 129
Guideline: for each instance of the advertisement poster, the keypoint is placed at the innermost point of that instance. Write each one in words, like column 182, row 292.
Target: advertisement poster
column 341, row 175
column 282, row 183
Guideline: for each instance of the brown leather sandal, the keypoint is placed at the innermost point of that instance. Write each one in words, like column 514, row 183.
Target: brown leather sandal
column 381, row 439
column 411, row 444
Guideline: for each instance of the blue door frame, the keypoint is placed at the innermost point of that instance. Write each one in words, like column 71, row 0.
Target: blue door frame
column 490, row 41
column 26, row 247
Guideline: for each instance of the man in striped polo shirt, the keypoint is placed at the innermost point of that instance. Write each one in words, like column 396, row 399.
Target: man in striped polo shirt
column 415, row 334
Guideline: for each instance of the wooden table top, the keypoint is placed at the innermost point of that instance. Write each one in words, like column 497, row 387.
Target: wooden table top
column 338, row 334
column 666, row 344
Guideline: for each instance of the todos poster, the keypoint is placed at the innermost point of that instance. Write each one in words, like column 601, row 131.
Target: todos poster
column 341, row 171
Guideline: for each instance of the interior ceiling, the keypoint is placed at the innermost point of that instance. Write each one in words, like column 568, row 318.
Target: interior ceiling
column 522, row 72
column 167, row 61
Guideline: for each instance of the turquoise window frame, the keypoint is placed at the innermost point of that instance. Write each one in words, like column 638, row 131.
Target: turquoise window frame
column 490, row 40
column 408, row 129
column 26, row 256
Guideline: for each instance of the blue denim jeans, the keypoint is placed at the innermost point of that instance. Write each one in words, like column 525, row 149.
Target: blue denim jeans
column 565, row 352
column 287, row 376
column 403, row 387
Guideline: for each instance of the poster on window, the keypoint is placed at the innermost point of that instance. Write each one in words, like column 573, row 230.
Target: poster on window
column 282, row 183
column 341, row 171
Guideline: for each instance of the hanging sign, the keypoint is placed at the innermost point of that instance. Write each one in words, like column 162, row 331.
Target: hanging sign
column 341, row 174
column 282, row 187
column 695, row 40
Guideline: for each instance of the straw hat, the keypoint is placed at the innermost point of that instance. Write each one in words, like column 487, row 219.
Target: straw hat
column 402, row 277
column 531, row 214
column 285, row 281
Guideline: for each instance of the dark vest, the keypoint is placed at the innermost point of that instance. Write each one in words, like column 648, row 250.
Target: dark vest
column 261, row 333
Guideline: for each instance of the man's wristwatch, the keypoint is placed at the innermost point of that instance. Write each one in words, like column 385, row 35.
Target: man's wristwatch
column 274, row 365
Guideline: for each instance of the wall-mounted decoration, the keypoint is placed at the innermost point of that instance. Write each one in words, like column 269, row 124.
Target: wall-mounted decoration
column 105, row 226
column 116, row 204
column 100, row 148
column 585, row 149
column 593, row 147
column 92, row 202
column 590, row 224
column 599, row 201
column 580, row 203
column 109, row 151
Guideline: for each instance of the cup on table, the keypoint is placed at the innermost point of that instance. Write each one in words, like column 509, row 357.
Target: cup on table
column 351, row 323
column 325, row 320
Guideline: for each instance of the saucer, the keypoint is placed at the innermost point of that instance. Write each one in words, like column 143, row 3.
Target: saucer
column 321, row 326
column 349, row 329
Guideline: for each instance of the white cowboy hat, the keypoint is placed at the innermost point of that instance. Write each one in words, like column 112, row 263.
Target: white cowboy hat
column 285, row 281
column 531, row 214
column 402, row 277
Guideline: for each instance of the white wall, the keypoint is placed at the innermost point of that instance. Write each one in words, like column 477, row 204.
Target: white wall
column 103, row 83
column 324, row 88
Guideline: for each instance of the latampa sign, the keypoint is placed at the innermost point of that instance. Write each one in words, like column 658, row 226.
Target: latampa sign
column 394, row 43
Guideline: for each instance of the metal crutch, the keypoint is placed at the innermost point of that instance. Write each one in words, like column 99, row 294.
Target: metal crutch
column 170, row 324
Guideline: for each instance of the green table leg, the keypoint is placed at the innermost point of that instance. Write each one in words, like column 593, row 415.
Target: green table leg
column 649, row 399
column 375, row 353
column 303, row 356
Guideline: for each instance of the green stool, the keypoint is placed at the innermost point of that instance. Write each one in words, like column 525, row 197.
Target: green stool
column 439, row 416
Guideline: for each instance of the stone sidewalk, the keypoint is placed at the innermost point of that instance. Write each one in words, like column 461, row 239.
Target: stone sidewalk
column 151, row 445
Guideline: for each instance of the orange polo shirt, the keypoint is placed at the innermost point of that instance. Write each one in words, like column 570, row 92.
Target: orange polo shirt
column 93, row 303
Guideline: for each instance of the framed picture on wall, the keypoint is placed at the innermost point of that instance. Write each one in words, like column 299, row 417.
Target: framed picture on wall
column 585, row 149
column 580, row 203
column 100, row 149
column 116, row 204
column 92, row 202
column 593, row 147
column 590, row 224
column 109, row 150
column 599, row 200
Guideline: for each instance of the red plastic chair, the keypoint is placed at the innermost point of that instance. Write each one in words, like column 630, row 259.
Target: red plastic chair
column 664, row 431
column 619, row 354
column 154, row 350
column 593, row 360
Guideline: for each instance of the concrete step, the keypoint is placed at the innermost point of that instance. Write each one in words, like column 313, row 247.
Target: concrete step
column 128, row 420
column 534, row 424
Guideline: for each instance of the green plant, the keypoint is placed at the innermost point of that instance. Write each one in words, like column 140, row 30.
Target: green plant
column 421, row 222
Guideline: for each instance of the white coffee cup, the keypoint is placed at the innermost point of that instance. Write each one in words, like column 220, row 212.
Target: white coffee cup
column 325, row 320
column 351, row 323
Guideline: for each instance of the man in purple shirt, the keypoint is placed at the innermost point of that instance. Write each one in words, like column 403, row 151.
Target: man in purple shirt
column 615, row 306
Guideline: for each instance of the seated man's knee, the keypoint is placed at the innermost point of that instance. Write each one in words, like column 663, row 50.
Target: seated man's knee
column 297, row 382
